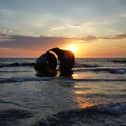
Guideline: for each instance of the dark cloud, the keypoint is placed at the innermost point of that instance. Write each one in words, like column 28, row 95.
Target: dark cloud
column 42, row 42
column 89, row 38
column 2, row 35
column 114, row 37
column 117, row 36
column 18, row 41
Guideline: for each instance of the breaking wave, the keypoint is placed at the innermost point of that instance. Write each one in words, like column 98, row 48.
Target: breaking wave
column 104, row 114
column 11, row 117
column 113, row 114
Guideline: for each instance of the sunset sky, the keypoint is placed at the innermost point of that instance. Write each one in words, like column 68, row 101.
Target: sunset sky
column 96, row 28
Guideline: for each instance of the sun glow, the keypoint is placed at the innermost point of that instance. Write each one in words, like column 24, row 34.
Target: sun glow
column 72, row 48
column 76, row 47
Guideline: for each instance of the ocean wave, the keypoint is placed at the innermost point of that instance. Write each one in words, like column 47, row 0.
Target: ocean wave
column 13, row 71
column 11, row 117
column 16, row 64
column 105, row 114
column 108, row 70
column 119, row 61
column 25, row 64
column 9, row 102
column 86, row 65
column 100, row 80
column 112, row 114
column 25, row 79
column 103, row 95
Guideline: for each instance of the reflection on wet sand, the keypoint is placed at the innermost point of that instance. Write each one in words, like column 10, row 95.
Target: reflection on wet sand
column 75, row 92
column 71, row 96
column 83, row 102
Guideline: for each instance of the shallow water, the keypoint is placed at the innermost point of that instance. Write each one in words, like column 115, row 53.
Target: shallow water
column 91, row 96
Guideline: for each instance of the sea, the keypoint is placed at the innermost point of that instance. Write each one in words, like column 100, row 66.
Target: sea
column 94, row 95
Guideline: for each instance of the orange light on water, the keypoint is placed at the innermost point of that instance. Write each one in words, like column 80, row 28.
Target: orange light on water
column 83, row 102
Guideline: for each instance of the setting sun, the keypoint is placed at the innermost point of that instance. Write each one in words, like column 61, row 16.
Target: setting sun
column 72, row 48
column 77, row 49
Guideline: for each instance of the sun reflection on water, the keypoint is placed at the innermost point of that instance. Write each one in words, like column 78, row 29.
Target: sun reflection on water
column 83, row 102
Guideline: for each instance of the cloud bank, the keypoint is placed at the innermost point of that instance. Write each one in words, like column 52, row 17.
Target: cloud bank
column 42, row 42
column 113, row 37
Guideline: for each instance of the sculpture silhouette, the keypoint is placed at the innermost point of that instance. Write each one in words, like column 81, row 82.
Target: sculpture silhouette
column 53, row 61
